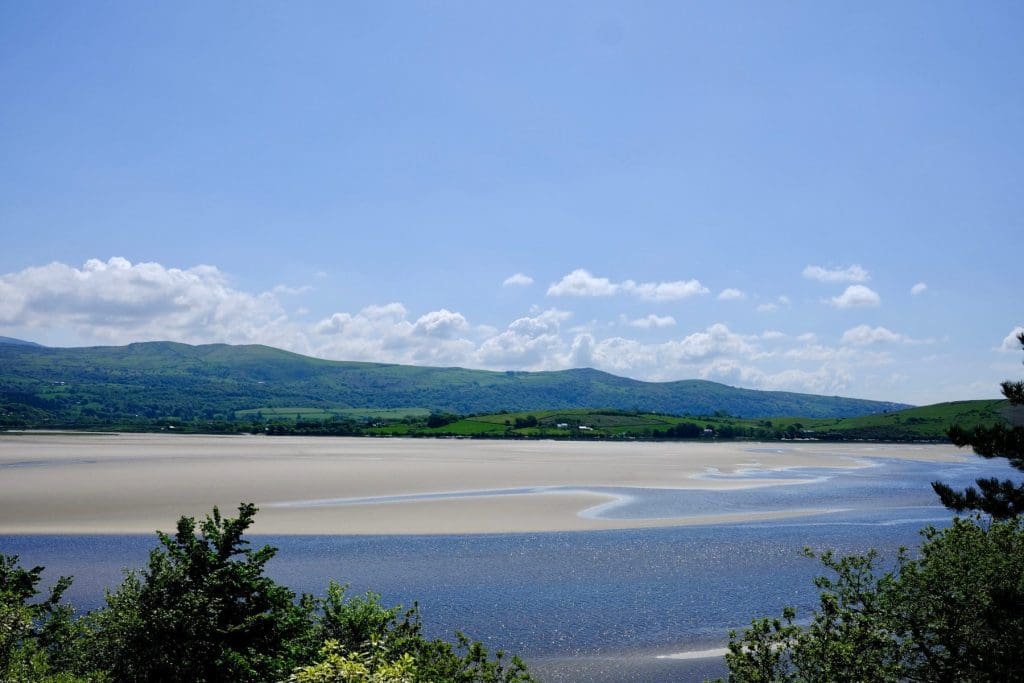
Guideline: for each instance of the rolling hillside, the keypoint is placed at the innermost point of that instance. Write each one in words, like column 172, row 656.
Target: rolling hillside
column 41, row 386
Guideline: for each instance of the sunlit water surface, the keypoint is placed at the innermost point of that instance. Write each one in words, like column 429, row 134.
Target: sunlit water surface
column 593, row 605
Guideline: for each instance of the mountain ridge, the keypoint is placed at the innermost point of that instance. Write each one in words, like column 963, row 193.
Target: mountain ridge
column 154, row 379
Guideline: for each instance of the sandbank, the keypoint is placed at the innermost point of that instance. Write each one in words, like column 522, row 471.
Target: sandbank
column 135, row 483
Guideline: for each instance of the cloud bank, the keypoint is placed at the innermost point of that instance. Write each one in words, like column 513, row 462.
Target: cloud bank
column 117, row 301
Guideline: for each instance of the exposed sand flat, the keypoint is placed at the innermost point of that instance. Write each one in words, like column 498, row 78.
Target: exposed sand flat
column 61, row 483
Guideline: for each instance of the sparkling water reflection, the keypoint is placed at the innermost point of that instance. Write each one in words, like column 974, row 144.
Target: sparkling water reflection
column 592, row 605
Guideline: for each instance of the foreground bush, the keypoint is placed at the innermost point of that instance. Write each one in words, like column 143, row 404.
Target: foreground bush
column 956, row 613
column 203, row 611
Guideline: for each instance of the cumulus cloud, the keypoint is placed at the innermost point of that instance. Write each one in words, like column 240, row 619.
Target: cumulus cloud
column 856, row 296
column 442, row 324
column 716, row 340
column 731, row 294
column 1011, row 341
column 517, row 280
column 865, row 335
column 529, row 343
column 653, row 321
column 370, row 319
column 665, row 291
column 582, row 353
column 919, row 288
column 581, row 282
column 389, row 334
column 384, row 333
column 821, row 380
column 852, row 273
column 116, row 301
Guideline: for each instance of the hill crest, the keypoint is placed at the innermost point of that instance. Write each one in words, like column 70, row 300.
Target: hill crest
column 171, row 378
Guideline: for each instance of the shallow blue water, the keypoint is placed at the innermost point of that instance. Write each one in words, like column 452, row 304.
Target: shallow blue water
column 610, row 599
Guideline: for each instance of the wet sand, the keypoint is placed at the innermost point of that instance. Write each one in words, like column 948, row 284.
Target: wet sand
column 121, row 483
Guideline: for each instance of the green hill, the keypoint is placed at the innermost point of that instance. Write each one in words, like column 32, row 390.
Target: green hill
column 42, row 386
column 17, row 342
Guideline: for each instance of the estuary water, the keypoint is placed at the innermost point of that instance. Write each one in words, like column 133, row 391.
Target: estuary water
column 638, row 604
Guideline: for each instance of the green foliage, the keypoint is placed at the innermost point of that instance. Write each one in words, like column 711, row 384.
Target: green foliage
column 363, row 633
column 154, row 384
column 956, row 613
column 1000, row 499
column 928, row 423
column 336, row 665
column 203, row 610
column 35, row 637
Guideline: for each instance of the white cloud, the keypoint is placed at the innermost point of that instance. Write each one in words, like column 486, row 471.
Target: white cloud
column 581, row 282
column 582, row 353
column 517, row 280
column 385, row 334
column 825, row 379
column 116, row 301
column 368, row 319
column 863, row 335
column 442, row 324
column 665, row 291
column 731, row 294
column 716, row 340
column 653, row 321
column 626, row 356
column 285, row 290
column 856, row 296
column 530, row 343
column 1010, row 341
column 852, row 273
column 919, row 288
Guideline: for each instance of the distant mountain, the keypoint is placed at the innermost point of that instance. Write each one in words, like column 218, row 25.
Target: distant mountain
column 17, row 342
column 160, row 379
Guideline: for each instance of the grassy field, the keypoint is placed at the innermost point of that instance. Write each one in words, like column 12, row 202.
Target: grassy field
column 928, row 423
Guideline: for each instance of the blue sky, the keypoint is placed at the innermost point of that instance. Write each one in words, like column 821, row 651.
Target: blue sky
column 814, row 196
